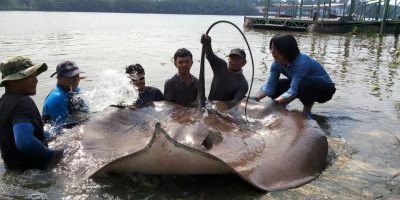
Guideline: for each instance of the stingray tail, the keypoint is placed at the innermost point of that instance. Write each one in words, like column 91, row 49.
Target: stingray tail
column 201, row 102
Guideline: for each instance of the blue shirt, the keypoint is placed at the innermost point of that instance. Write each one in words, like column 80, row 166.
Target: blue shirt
column 302, row 67
column 60, row 107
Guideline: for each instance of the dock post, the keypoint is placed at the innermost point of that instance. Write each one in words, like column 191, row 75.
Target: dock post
column 378, row 10
column 293, row 11
column 279, row 9
column 301, row 9
column 396, row 32
column 352, row 7
column 385, row 15
column 329, row 8
column 318, row 7
column 266, row 9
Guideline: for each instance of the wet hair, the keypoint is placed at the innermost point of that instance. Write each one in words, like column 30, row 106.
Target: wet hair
column 182, row 52
column 286, row 45
column 134, row 68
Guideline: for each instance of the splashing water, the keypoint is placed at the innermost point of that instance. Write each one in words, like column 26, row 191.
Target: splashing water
column 112, row 87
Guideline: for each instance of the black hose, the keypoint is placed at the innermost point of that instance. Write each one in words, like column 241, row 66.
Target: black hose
column 201, row 89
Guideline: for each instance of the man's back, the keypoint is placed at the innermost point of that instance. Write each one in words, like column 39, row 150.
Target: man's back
column 15, row 108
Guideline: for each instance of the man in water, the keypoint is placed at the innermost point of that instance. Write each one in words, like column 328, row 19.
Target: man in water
column 228, row 84
column 63, row 107
column 306, row 79
column 22, row 140
column 182, row 87
column 146, row 94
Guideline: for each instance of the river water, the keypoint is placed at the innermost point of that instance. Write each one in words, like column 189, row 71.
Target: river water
column 362, row 121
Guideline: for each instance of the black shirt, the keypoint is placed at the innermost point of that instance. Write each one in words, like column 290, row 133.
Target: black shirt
column 175, row 90
column 226, row 86
column 149, row 95
column 15, row 108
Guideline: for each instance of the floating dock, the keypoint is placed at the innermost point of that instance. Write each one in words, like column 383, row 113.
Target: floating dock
column 320, row 26
column 367, row 16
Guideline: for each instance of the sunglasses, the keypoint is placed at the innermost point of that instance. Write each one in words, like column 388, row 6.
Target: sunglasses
column 138, row 78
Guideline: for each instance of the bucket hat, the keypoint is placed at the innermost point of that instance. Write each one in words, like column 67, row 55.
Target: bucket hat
column 19, row 67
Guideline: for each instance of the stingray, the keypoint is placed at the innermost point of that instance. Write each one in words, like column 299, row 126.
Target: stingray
column 276, row 149
column 262, row 142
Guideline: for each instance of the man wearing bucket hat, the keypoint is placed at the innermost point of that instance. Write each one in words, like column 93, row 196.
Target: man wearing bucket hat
column 228, row 84
column 63, row 107
column 22, row 140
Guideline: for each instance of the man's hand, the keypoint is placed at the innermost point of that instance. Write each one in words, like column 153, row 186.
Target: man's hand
column 254, row 98
column 57, row 155
column 205, row 39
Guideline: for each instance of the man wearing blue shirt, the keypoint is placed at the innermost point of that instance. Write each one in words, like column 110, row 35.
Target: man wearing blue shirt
column 306, row 79
column 22, row 141
column 63, row 107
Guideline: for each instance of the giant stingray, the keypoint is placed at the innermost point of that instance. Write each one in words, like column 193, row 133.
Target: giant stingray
column 270, row 148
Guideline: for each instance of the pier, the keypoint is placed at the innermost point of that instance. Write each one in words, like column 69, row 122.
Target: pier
column 327, row 17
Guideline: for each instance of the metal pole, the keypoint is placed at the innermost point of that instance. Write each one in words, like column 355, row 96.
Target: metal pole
column 301, row 9
column 279, row 10
column 352, row 7
column 385, row 13
column 245, row 9
column 378, row 10
column 318, row 8
column 293, row 14
column 266, row 8
column 329, row 9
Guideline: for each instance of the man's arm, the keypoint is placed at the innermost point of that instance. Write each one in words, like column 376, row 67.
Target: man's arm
column 28, row 144
column 239, row 95
column 269, row 87
column 206, row 41
column 216, row 62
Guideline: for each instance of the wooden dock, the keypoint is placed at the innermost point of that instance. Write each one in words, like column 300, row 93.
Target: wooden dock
column 328, row 17
column 322, row 25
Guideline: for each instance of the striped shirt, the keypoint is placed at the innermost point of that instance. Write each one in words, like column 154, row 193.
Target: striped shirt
column 176, row 91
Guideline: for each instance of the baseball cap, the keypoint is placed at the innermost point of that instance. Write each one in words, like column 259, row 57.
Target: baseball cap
column 19, row 67
column 238, row 52
column 67, row 69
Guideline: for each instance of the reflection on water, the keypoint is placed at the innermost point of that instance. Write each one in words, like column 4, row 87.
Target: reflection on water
column 362, row 120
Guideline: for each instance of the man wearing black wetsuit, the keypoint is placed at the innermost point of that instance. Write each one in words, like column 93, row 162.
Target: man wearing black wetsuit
column 228, row 84
column 22, row 140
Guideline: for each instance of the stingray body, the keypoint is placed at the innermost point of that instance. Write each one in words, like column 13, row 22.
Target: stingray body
column 275, row 150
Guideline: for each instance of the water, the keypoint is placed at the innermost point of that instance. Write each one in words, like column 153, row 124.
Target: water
column 362, row 120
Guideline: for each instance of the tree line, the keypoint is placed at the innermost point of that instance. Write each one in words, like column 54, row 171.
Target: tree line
column 210, row 7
